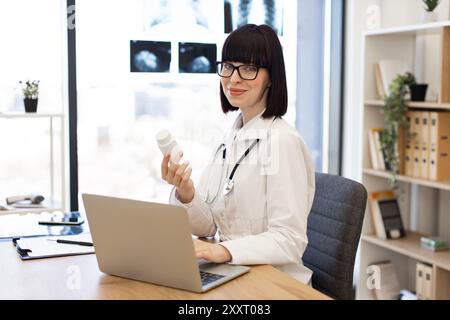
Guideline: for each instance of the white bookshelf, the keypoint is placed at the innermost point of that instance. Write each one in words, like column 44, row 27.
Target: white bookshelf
column 424, row 204
column 53, row 202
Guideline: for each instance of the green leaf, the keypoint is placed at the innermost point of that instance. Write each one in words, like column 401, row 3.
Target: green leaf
column 394, row 112
column 430, row 5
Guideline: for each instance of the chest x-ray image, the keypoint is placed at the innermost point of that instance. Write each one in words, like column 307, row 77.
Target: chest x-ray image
column 240, row 12
column 150, row 56
column 197, row 57
column 175, row 16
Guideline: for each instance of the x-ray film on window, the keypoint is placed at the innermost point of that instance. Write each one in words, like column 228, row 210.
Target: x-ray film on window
column 240, row 12
column 168, row 17
column 150, row 56
column 197, row 57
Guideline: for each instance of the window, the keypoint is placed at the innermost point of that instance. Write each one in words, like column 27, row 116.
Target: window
column 319, row 84
column 32, row 48
column 144, row 66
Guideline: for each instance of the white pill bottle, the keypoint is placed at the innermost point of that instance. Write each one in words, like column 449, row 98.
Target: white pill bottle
column 167, row 144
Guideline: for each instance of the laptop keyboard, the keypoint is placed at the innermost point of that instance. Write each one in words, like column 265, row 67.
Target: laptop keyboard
column 207, row 277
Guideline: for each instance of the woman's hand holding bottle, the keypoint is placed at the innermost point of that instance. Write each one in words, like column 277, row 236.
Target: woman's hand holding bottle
column 178, row 175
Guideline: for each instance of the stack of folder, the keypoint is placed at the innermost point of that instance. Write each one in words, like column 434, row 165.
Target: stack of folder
column 428, row 145
column 424, row 281
column 424, row 151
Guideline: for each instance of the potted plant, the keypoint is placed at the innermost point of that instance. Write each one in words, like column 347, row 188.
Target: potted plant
column 430, row 15
column 418, row 91
column 394, row 111
column 30, row 91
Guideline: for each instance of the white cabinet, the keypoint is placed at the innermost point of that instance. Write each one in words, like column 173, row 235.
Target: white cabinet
column 56, row 199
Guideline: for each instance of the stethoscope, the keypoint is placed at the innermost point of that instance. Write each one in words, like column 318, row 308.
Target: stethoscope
column 229, row 184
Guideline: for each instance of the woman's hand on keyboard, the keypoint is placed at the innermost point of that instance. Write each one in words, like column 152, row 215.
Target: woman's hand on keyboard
column 211, row 251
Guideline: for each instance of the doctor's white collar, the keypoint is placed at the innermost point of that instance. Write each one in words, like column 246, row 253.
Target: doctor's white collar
column 256, row 128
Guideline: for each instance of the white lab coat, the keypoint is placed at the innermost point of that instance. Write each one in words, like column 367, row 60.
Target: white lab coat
column 263, row 219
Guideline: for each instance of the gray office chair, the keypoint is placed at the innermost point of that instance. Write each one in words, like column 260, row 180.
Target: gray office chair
column 334, row 229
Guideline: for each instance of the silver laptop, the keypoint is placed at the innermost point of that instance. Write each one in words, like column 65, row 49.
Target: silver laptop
column 150, row 242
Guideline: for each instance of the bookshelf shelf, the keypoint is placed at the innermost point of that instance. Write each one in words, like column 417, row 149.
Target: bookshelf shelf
column 422, row 182
column 410, row 246
column 413, row 105
column 410, row 29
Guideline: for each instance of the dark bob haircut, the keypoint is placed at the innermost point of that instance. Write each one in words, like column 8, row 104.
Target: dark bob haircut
column 259, row 45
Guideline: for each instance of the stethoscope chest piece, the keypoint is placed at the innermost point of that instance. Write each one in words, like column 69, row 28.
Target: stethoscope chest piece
column 228, row 187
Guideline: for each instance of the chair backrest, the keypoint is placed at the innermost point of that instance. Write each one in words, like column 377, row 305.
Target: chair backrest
column 334, row 229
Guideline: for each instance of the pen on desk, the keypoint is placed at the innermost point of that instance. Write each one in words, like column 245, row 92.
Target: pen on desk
column 80, row 243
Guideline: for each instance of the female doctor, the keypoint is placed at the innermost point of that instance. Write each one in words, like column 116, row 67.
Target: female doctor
column 258, row 190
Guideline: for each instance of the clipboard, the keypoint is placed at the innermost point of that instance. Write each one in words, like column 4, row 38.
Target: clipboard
column 47, row 247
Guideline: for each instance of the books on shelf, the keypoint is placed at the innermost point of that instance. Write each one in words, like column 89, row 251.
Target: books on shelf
column 373, row 150
column 387, row 284
column 376, row 152
column 385, row 73
column 424, row 151
column 379, row 82
column 377, row 156
column 433, row 243
column 424, row 281
column 386, row 217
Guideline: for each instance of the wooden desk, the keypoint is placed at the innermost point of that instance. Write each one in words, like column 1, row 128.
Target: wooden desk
column 78, row 277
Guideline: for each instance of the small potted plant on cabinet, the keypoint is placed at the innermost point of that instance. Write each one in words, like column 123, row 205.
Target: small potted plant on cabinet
column 430, row 15
column 418, row 91
column 30, row 91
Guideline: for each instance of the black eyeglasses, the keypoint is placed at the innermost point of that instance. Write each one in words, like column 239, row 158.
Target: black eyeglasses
column 245, row 71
